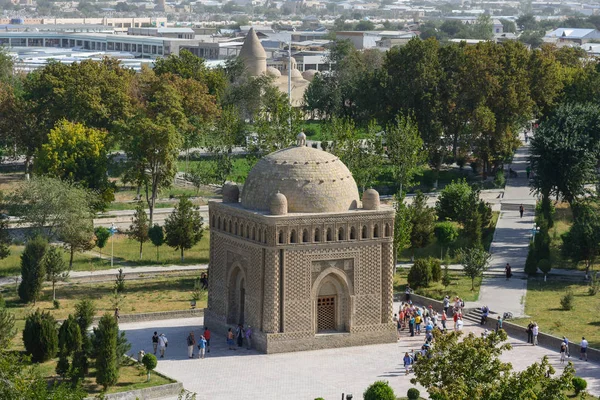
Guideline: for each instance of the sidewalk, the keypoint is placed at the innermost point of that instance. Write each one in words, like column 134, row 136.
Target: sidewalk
column 126, row 270
column 510, row 244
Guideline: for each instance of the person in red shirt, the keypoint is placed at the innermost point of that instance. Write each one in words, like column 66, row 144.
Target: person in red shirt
column 207, row 337
column 455, row 317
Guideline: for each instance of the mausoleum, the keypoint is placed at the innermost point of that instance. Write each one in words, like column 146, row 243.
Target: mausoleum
column 300, row 258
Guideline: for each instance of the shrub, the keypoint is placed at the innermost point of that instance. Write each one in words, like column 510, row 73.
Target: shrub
column 436, row 269
column 56, row 304
column 413, row 394
column 7, row 328
column 2, row 301
column 40, row 336
column 149, row 361
column 579, row 384
column 446, row 280
column 379, row 390
column 419, row 274
column 499, row 179
column 530, row 262
column 120, row 281
column 566, row 302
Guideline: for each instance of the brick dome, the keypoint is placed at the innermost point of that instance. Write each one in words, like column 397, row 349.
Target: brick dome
column 312, row 181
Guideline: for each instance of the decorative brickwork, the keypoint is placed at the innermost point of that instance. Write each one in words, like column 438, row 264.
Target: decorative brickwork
column 270, row 271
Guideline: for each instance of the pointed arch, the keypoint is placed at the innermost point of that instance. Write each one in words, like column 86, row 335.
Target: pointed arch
column 329, row 236
column 305, row 238
column 364, row 232
column 341, row 234
column 352, row 233
column 387, row 232
column 317, row 235
column 376, row 231
column 293, row 236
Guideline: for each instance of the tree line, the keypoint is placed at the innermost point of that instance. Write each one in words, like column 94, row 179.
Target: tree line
column 468, row 102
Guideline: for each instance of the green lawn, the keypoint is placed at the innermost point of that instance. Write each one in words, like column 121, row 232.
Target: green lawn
column 542, row 304
column 460, row 286
column 132, row 376
column 165, row 293
column 241, row 167
column 433, row 249
column 126, row 252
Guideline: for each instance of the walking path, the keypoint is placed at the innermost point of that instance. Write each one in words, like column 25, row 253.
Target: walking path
column 510, row 244
column 306, row 375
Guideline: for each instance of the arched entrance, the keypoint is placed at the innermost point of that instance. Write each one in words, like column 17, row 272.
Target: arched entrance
column 331, row 303
column 236, row 299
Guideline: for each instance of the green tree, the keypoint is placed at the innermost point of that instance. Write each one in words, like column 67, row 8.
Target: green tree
column 446, row 233
column 55, row 267
column 102, row 235
column 568, row 138
column 404, row 150
column 77, row 229
column 471, row 369
column 21, row 382
column 420, row 274
column 402, row 225
column 475, row 260
column 454, row 201
column 5, row 239
column 422, row 220
column 32, row 269
column 508, row 25
column 51, row 205
column 149, row 361
column 107, row 368
column 95, row 93
column 7, row 329
column 379, row 390
column 77, row 153
column 157, row 237
column 138, row 230
column 188, row 66
column 183, row 227
column 69, row 336
column 446, row 280
column 40, row 336
column 84, row 314
column 582, row 242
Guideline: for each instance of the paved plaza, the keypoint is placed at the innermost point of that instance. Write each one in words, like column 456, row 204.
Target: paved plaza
column 247, row 374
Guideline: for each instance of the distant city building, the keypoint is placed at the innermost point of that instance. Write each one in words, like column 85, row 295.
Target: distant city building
column 572, row 35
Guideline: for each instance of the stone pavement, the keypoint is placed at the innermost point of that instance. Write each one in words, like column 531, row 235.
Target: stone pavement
column 246, row 374
column 510, row 244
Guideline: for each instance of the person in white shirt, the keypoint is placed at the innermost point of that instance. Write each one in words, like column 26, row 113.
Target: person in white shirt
column 459, row 324
column 584, row 346
column 535, row 331
column 162, row 344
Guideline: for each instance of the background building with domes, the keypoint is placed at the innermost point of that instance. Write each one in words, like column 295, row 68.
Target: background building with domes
column 254, row 57
column 300, row 258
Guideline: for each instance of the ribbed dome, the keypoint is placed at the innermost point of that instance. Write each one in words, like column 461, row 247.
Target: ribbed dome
column 309, row 74
column 274, row 72
column 296, row 75
column 312, row 180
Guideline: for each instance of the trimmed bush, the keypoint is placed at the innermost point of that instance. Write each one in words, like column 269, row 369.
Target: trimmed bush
column 149, row 361
column 566, row 302
column 40, row 336
column 436, row 269
column 69, row 336
column 379, row 390
column 446, row 233
column 579, row 384
column 419, row 274
column 413, row 394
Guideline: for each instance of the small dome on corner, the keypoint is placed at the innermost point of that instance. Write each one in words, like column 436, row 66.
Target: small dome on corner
column 231, row 193
column 278, row 204
column 274, row 72
column 309, row 74
column 370, row 199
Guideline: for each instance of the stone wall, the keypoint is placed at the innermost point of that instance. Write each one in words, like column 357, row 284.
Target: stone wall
column 155, row 392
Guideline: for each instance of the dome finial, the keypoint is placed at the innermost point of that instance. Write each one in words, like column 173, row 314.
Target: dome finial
column 301, row 140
